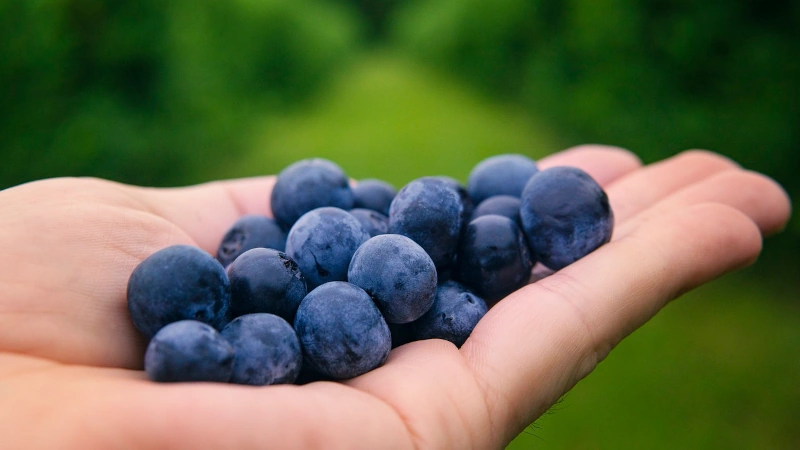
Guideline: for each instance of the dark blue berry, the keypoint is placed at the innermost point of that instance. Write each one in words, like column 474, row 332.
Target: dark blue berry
column 322, row 242
column 306, row 185
column 454, row 314
column 466, row 202
column 500, row 175
column 250, row 232
column 373, row 222
column 502, row 205
column 372, row 194
column 493, row 257
column 176, row 283
column 342, row 333
column 267, row 350
column 565, row 215
column 429, row 211
column 397, row 273
column 188, row 350
column 264, row 280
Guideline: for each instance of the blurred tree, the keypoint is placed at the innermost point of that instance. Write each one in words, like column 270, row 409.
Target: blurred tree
column 153, row 92
column 656, row 76
column 376, row 15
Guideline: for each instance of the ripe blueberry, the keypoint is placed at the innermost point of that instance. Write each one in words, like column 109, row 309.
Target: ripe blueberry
column 372, row 194
column 429, row 211
column 188, row 350
column 565, row 215
column 267, row 350
column 500, row 175
column 176, row 283
column 502, row 205
column 306, row 185
column 264, row 280
column 248, row 232
column 493, row 257
column 397, row 273
column 342, row 333
column 322, row 242
column 373, row 222
column 454, row 314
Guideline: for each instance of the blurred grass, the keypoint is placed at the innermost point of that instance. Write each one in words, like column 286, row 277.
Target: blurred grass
column 389, row 118
column 718, row 368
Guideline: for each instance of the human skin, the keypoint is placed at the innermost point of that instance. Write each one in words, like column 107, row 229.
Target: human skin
column 71, row 360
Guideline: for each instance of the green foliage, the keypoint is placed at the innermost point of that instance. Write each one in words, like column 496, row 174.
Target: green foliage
column 388, row 118
column 654, row 76
column 716, row 369
column 376, row 15
column 484, row 41
column 153, row 92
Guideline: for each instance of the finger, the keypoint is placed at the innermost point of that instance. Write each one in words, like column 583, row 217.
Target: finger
column 636, row 192
column 604, row 163
column 757, row 196
column 206, row 211
column 537, row 343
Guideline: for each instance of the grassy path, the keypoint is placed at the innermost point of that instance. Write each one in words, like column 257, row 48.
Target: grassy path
column 387, row 118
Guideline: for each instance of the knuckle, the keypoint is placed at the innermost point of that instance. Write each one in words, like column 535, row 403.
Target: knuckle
column 707, row 159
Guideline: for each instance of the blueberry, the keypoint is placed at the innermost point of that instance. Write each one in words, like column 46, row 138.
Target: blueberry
column 306, row 185
column 502, row 205
column 322, row 242
column 376, row 195
column 373, row 222
column 397, row 273
column 264, row 280
column 249, row 232
column 454, row 314
column 565, row 216
column 342, row 333
column 493, row 257
column 267, row 350
column 176, row 283
column 500, row 175
column 188, row 350
column 448, row 271
column 466, row 202
column 429, row 211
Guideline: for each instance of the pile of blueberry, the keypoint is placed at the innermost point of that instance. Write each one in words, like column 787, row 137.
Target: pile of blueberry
column 343, row 274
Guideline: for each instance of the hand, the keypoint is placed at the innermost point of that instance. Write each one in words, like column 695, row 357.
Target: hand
column 70, row 358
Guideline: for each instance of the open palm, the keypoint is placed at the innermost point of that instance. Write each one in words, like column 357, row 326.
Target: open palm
column 70, row 359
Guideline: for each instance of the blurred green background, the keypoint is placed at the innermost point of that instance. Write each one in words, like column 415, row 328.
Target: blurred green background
column 170, row 93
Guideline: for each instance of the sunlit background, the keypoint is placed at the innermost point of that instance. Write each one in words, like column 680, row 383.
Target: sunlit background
column 184, row 91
